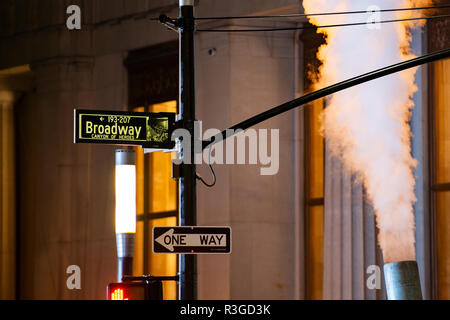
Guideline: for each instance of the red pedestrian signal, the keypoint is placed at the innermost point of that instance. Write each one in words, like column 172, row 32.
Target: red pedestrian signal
column 117, row 295
column 127, row 291
column 138, row 288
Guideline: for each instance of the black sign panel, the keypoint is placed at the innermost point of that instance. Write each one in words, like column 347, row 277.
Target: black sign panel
column 149, row 130
column 192, row 240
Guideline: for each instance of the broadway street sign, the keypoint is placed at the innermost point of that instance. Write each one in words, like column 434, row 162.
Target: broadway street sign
column 149, row 130
column 192, row 240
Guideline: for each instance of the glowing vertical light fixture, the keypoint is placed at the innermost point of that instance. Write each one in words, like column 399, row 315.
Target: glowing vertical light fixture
column 125, row 210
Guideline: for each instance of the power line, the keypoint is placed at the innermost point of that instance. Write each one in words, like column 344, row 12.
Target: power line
column 321, row 13
column 325, row 92
column 323, row 26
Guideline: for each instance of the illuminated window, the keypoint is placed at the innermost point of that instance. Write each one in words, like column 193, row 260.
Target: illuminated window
column 156, row 206
column 440, row 174
column 153, row 87
column 314, row 171
column 314, row 213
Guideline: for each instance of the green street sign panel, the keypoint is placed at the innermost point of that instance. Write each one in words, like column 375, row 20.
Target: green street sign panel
column 149, row 130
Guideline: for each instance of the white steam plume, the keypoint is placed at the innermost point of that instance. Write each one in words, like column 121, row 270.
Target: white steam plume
column 367, row 126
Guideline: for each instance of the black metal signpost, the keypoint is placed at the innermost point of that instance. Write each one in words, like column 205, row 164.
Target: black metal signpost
column 192, row 240
column 187, row 181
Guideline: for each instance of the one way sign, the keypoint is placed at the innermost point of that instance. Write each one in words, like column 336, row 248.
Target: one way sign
column 191, row 240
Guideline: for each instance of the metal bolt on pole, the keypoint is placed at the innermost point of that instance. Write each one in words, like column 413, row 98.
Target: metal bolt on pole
column 187, row 182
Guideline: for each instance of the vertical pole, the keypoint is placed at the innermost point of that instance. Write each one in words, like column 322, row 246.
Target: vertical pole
column 187, row 182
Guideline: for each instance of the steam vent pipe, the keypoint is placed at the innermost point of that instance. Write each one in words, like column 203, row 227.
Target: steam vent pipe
column 402, row 281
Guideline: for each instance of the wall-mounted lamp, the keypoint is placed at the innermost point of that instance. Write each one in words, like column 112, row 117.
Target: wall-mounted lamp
column 125, row 210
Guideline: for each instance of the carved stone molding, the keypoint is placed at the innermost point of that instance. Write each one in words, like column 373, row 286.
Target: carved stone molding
column 439, row 34
column 153, row 74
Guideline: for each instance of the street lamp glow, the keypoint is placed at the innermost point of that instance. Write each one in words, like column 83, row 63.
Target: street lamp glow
column 125, row 198
column 125, row 210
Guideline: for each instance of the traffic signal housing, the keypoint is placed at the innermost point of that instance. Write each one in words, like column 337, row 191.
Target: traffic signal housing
column 135, row 290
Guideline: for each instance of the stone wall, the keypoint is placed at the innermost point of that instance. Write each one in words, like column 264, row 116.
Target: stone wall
column 66, row 191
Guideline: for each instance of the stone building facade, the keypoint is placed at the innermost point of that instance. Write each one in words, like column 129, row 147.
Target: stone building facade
column 57, row 198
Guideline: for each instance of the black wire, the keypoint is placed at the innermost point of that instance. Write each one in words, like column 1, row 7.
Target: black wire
column 319, row 14
column 199, row 177
column 325, row 92
column 324, row 26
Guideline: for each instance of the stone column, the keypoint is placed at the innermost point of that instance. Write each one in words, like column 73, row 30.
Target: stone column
column 350, row 246
column 14, row 83
column 7, row 196
column 64, row 212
